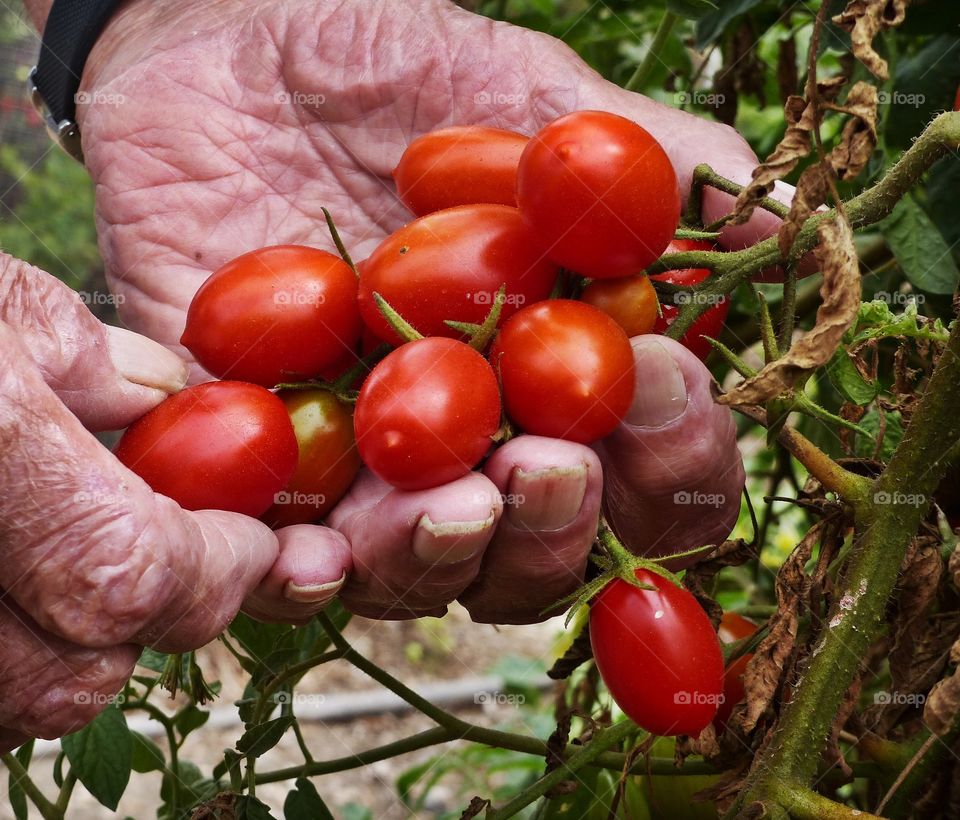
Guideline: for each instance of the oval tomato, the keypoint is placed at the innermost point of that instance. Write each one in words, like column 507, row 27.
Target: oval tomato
column 460, row 165
column 658, row 655
column 277, row 314
column 328, row 460
column 600, row 193
column 426, row 414
column 566, row 370
column 733, row 627
column 631, row 302
column 710, row 323
column 450, row 265
column 214, row 446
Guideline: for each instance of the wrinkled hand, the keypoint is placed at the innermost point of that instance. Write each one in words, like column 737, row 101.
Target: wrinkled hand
column 218, row 128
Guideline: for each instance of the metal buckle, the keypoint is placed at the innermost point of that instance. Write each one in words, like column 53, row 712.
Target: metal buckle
column 65, row 133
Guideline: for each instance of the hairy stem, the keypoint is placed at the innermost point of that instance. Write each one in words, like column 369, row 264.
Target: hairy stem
column 47, row 810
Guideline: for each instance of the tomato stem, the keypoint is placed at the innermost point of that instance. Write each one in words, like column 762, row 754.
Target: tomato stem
column 484, row 335
column 341, row 248
column 401, row 326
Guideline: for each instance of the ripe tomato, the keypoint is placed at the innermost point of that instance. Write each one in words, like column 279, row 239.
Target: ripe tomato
column 426, row 413
column 328, row 460
column 710, row 323
column 956, row 102
column 461, row 165
column 600, row 193
column 277, row 314
column 658, row 655
column 631, row 302
column 214, row 446
column 450, row 265
column 566, row 370
column 733, row 627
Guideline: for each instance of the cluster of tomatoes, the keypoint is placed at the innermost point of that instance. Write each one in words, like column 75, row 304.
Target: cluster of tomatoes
column 508, row 302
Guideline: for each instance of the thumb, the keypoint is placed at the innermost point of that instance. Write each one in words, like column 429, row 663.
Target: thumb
column 106, row 376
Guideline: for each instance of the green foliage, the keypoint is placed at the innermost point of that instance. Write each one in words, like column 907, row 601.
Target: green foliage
column 51, row 223
column 101, row 755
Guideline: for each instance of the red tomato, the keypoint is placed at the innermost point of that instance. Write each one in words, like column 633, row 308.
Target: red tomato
column 566, row 370
column 631, row 302
column 214, row 446
column 450, row 265
column 956, row 102
column 461, row 165
column 273, row 315
column 426, row 413
column 733, row 627
column 600, row 193
column 658, row 655
column 328, row 460
column 710, row 323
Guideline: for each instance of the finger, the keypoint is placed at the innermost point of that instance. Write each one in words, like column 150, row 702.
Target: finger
column 107, row 376
column 552, row 491
column 49, row 687
column 312, row 566
column 89, row 551
column 10, row 740
column 414, row 552
column 673, row 473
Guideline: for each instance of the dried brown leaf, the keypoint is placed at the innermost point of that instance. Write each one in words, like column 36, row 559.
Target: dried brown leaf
column 477, row 805
column 954, row 567
column 864, row 19
column 942, row 709
column 763, row 674
column 840, row 293
column 729, row 554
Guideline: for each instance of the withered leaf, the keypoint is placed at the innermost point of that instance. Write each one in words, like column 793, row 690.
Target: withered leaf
column 954, row 567
column 940, row 712
column 477, row 805
column 762, row 676
column 731, row 553
column 840, row 293
column 864, row 19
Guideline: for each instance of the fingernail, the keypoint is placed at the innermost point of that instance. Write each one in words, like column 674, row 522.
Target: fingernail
column 546, row 499
column 661, row 393
column 313, row 593
column 142, row 361
column 452, row 541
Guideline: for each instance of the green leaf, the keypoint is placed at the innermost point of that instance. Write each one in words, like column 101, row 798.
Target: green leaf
column 875, row 320
column 920, row 248
column 691, row 9
column 15, row 794
column 351, row 811
column 101, row 754
column 264, row 736
column 864, row 447
column 249, row 808
column 712, row 25
column 844, row 376
column 153, row 660
column 147, row 756
column 305, row 803
column 190, row 718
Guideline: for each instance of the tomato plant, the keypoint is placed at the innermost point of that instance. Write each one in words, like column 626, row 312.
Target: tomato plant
column 566, row 370
column 600, row 193
column 327, row 463
column 219, row 445
column 276, row 314
column 630, row 301
column 460, row 165
column 710, row 323
column 427, row 413
column 658, row 654
column 450, row 265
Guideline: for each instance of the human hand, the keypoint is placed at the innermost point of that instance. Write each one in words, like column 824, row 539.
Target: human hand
column 95, row 565
column 218, row 128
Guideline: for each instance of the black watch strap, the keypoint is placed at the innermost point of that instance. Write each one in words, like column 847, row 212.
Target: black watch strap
column 71, row 30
